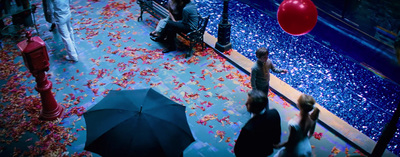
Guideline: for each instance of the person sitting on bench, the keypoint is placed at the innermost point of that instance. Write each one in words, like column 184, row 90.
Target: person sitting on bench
column 188, row 23
column 175, row 8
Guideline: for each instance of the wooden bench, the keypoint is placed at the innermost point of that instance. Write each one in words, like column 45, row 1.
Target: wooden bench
column 159, row 11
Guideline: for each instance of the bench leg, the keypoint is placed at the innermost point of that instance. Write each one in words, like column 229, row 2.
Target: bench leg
column 203, row 45
column 140, row 18
column 190, row 52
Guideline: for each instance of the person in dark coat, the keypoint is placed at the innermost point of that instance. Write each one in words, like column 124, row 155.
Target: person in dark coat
column 262, row 131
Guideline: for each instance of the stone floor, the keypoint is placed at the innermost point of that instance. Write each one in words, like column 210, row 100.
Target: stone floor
column 115, row 53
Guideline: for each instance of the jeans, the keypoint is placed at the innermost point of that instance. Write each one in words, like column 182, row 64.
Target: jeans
column 170, row 30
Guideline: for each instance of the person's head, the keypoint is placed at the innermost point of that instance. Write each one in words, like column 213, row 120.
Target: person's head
column 306, row 103
column 185, row 2
column 262, row 54
column 256, row 101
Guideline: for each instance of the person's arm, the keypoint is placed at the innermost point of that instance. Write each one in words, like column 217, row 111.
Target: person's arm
column 185, row 15
column 290, row 140
column 277, row 125
column 277, row 70
column 242, row 143
column 312, row 129
column 171, row 16
column 253, row 78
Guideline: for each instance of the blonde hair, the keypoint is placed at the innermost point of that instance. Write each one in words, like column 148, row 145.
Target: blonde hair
column 306, row 103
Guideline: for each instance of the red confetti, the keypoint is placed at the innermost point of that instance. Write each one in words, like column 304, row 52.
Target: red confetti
column 317, row 136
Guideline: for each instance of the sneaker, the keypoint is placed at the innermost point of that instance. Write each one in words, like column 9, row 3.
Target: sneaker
column 74, row 59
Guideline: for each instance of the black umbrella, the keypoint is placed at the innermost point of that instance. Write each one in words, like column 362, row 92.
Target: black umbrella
column 137, row 123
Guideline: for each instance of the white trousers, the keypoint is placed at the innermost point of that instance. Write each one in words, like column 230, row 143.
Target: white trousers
column 67, row 36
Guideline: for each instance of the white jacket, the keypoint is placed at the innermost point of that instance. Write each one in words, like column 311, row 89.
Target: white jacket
column 62, row 12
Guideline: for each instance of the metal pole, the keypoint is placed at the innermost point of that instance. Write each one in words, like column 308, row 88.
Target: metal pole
column 224, row 31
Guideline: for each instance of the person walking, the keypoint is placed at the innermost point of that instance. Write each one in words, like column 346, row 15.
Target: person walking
column 62, row 16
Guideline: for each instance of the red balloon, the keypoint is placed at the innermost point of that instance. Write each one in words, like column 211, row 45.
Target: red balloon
column 297, row 17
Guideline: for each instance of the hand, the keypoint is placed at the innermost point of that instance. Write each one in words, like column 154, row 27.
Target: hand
column 284, row 71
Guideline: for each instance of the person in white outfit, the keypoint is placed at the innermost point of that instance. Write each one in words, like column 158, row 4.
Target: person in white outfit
column 62, row 16
column 301, row 128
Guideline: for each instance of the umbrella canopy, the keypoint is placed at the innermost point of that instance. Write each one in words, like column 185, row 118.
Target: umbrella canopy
column 137, row 123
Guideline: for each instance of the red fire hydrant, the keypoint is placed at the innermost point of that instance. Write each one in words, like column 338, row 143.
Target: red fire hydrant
column 36, row 60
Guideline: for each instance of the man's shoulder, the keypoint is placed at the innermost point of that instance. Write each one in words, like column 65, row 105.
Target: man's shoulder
column 190, row 6
column 268, row 62
column 272, row 113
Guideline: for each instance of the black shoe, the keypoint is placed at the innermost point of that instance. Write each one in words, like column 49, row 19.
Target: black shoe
column 53, row 26
column 153, row 34
column 169, row 49
column 157, row 39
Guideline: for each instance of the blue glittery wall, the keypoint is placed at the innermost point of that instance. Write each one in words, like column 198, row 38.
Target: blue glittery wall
column 347, row 89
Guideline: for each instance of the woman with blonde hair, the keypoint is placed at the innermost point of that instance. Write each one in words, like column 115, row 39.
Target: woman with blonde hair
column 301, row 129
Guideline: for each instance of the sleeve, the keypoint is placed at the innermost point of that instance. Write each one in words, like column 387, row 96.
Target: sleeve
column 242, row 143
column 275, row 70
column 277, row 131
column 185, row 15
column 253, row 75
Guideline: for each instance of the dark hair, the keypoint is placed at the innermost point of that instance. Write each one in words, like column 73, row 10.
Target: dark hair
column 262, row 52
column 257, row 101
column 185, row 2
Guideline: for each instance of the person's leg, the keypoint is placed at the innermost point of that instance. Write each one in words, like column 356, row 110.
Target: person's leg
column 68, row 42
column 266, row 91
column 160, row 26
column 170, row 30
column 72, row 36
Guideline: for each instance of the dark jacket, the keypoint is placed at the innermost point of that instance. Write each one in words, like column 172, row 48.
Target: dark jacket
column 259, row 134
